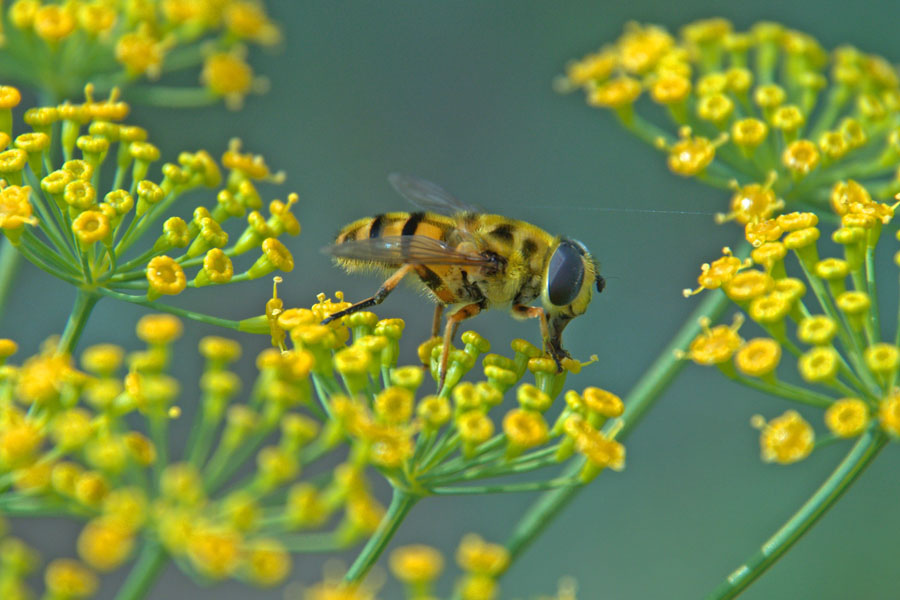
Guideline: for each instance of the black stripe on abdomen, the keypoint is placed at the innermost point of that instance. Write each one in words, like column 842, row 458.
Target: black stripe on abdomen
column 376, row 226
column 429, row 277
column 412, row 223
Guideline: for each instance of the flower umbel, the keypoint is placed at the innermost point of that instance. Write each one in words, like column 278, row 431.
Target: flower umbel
column 850, row 371
column 58, row 48
column 768, row 112
column 62, row 218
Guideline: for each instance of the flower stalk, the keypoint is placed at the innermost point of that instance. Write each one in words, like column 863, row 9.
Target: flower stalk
column 146, row 570
column 860, row 456
column 402, row 502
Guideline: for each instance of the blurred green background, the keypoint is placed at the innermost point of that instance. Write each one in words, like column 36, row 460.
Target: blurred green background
column 460, row 93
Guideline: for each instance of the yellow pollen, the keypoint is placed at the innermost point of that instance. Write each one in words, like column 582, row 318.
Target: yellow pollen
column 800, row 157
column 615, row 93
column 749, row 133
column 758, row 357
column 690, row 155
column 416, row 564
column 53, row 22
column 720, row 272
column 748, row 285
column 670, row 88
column 754, row 203
column 593, row 67
column 848, row 417
column 882, row 358
column 159, row 329
column 525, row 428
column 716, row 345
column 769, row 96
column 716, row 108
column 817, row 330
column 786, row 439
column 165, row 276
column 641, row 47
column 819, row 365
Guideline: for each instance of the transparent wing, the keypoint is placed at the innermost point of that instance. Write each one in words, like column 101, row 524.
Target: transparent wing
column 428, row 196
column 405, row 249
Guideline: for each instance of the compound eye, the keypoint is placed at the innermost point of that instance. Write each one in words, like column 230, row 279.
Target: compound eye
column 565, row 274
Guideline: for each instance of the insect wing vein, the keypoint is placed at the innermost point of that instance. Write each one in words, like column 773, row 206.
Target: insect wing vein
column 403, row 249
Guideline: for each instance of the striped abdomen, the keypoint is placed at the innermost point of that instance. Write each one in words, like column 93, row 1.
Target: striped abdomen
column 397, row 223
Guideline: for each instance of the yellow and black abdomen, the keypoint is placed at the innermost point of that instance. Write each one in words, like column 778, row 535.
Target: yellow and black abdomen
column 396, row 223
column 391, row 225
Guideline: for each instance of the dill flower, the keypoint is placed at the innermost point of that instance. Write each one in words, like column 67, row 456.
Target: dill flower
column 416, row 565
column 770, row 115
column 786, row 439
column 96, row 443
column 64, row 219
column 66, row 578
column 850, row 371
column 132, row 43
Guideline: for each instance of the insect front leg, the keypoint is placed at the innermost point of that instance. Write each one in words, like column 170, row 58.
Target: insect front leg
column 386, row 288
column 553, row 345
column 466, row 312
column 436, row 323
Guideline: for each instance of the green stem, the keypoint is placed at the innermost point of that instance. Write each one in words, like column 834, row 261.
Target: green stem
column 818, row 504
column 531, row 486
column 84, row 304
column 787, row 391
column 143, row 574
column 155, row 305
column 228, row 459
column 10, row 259
column 874, row 321
column 401, row 503
column 639, row 400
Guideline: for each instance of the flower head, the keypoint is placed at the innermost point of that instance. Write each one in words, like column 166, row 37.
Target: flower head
column 712, row 78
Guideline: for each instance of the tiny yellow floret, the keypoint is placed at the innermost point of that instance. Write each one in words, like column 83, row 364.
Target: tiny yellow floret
column 716, row 345
column 67, row 578
column 758, row 357
column 104, row 544
column 267, row 562
column 475, row 555
column 416, row 565
column 159, row 329
column 786, row 439
column 848, row 417
column 165, row 276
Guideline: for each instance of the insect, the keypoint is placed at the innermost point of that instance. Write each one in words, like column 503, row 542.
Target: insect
column 469, row 262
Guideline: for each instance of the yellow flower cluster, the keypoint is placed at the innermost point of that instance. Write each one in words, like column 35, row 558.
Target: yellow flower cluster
column 93, row 442
column 67, row 445
column 61, row 217
column 828, row 320
column 426, row 446
column 767, row 113
column 57, row 47
column 418, row 567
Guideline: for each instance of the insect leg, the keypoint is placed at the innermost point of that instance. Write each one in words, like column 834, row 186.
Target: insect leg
column 386, row 288
column 466, row 312
column 534, row 312
column 436, row 323
column 551, row 345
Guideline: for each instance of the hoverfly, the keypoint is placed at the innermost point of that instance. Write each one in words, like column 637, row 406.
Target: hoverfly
column 469, row 262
